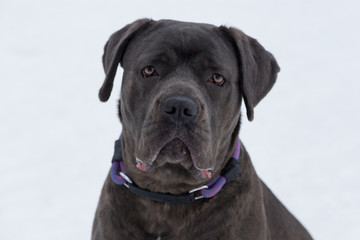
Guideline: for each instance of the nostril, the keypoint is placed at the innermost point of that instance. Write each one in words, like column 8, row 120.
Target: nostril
column 171, row 110
column 188, row 112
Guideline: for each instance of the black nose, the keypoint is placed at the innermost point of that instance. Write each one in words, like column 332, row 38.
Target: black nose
column 179, row 108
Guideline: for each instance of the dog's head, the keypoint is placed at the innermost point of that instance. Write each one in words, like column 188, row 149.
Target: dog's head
column 182, row 88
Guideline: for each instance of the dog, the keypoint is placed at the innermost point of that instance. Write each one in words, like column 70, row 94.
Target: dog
column 179, row 170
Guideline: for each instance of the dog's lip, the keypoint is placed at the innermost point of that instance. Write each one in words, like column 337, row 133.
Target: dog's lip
column 198, row 173
column 205, row 173
column 145, row 165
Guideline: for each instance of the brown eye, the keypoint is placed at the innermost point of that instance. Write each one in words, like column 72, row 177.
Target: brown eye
column 217, row 79
column 149, row 71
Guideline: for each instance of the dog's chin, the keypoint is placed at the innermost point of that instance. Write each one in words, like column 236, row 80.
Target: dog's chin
column 174, row 158
column 174, row 152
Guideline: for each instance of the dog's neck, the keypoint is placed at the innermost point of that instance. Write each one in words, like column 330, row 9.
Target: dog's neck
column 210, row 189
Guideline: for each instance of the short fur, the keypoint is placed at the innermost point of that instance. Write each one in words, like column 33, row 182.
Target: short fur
column 185, row 56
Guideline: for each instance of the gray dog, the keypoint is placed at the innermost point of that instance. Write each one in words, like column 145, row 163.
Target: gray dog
column 179, row 170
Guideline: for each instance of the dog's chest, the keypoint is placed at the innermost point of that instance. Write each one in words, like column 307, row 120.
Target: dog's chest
column 164, row 220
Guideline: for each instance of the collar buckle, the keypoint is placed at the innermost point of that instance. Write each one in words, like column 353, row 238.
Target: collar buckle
column 127, row 179
column 198, row 189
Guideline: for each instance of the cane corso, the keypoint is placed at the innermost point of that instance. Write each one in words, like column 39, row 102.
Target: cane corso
column 177, row 172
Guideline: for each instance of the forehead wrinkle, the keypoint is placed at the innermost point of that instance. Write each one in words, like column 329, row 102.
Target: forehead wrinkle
column 162, row 55
column 212, row 60
column 202, row 48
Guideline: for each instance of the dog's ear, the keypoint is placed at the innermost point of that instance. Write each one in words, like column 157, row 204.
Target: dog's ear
column 258, row 68
column 114, row 51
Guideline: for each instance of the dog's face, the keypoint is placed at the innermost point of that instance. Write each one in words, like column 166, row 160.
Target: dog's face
column 179, row 84
column 181, row 95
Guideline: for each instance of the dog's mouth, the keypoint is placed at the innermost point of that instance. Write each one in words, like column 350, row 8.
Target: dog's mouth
column 175, row 151
column 173, row 154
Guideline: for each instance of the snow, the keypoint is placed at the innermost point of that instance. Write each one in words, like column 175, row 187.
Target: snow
column 57, row 138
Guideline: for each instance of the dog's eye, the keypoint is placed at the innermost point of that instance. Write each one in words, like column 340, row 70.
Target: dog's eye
column 217, row 79
column 149, row 71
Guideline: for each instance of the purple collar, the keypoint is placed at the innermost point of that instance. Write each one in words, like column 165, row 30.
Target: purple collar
column 209, row 190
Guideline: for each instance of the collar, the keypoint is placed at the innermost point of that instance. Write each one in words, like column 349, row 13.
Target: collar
column 209, row 190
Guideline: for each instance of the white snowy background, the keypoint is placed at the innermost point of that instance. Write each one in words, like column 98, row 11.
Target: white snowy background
column 56, row 138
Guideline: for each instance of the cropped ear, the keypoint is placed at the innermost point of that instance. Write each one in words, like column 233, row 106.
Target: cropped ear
column 258, row 68
column 114, row 51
